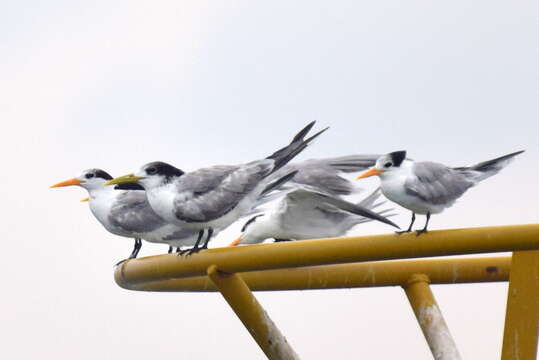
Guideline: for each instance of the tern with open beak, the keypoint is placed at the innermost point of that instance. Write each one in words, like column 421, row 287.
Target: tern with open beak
column 212, row 197
column 124, row 210
column 307, row 214
column 428, row 187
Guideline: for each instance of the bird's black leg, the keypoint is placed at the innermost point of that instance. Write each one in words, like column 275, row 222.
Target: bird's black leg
column 281, row 240
column 208, row 237
column 134, row 253
column 424, row 230
column 409, row 227
column 194, row 249
column 169, row 250
column 136, row 248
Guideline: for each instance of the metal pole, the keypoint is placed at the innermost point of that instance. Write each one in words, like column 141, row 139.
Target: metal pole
column 379, row 273
column 332, row 251
column 252, row 315
column 522, row 314
column 430, row 318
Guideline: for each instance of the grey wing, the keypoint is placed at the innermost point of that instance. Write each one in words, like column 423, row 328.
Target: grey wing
column 333, row 208
column 436, row 183
column 303, row 205
column 132, row 212
column 210, row 193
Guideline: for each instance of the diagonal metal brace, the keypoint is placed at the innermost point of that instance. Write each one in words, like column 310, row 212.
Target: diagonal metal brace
column 430, row 318
column 252, row 315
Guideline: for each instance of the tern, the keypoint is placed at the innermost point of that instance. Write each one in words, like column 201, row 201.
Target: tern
column 124, row 210
column 428, row 187
column 307, row 214
column 212, row 197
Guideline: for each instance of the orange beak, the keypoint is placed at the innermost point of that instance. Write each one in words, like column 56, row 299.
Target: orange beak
column 235, row 242
column 85, row 199
column 370, row 172
column 69, row 182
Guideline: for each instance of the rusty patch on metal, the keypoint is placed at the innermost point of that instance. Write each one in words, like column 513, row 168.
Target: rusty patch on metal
column 491, row 269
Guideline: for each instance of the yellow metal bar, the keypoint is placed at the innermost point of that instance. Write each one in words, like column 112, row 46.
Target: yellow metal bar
column 381, row 273
column 330, row 251
column 430, row 318
column 252, row 315
column 522, row 314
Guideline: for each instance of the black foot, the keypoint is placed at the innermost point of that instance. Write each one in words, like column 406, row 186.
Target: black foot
column 403, row 232
column 193, row 251
column 182, row 252
column 121, row 261
column 281, row 240
column 422, row 231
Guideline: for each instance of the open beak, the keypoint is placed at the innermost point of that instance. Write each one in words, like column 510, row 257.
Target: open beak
column 69, row 182
column 129, row 178
column 235, row 242
column 85, row 199
column 370, row 172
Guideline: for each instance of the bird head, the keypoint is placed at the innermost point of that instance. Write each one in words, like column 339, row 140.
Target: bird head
column 89, row 179
column 151, row 175
column 385, row 164
column 251, row 232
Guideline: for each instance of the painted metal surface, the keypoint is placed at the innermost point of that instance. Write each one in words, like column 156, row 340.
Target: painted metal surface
column 252, row 315
column 326, row 263
column 380, row 273
column 430, row 318
column 331, row 251
column 522, row 314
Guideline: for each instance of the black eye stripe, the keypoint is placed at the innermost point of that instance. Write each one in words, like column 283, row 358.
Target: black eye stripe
column 89, row 176
column 387, row 164
column 249, row 222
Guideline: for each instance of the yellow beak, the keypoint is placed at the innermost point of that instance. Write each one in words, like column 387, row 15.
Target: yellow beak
column 69, row 182
column 370, row 172
column 235, row 242
column 85, row 199
column 129, row 178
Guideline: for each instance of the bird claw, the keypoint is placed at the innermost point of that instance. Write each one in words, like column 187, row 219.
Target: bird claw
column 121, row 262
column 182, row 252
column 403, row 232
column 419, row 232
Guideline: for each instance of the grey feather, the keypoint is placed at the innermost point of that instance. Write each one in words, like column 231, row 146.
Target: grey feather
column 305, row 195
column 132, row 213
column 210, row 193
column 323, row 174
column 436, row 183
column 488, row 168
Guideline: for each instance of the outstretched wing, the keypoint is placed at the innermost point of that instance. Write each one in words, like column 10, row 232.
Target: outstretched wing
column 132, row 212
column 305, row 202
column 436, row 183
column 324, row 174
column 210, row 193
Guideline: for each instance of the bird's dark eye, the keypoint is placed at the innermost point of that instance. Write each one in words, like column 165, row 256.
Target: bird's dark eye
column 387, row 164
column 89, row 176
column 151, row 171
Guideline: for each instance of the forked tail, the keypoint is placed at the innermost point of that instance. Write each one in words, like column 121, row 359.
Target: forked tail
column 486, row 169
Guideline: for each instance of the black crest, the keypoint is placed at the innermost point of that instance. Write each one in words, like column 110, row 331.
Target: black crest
column 397, row 157
column 97, row 173
column 128, row 186
column 163, row 169
column 249, row 222
column 102, row 174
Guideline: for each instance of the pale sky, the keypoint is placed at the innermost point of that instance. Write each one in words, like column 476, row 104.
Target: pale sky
column 195, row 83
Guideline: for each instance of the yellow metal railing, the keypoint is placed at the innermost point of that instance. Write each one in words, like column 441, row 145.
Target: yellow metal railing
column 357, row 262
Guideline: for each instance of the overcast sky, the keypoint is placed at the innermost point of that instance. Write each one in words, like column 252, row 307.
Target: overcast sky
column 195, row 83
